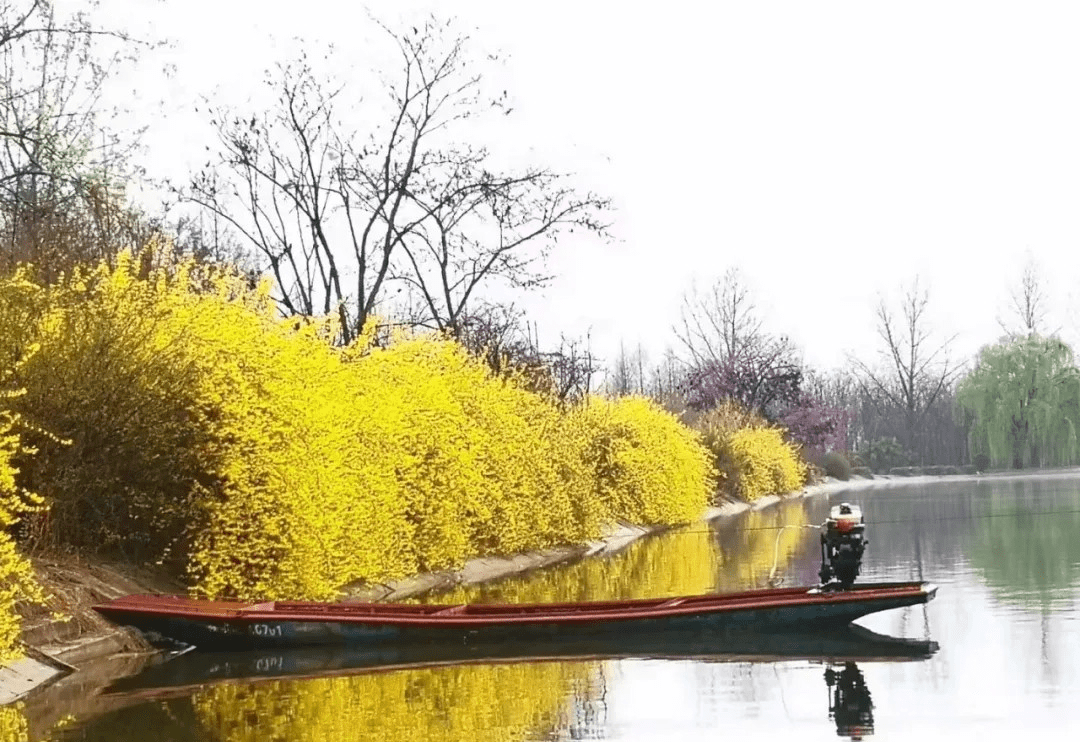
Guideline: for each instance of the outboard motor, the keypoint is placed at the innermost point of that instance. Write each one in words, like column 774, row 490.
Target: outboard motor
column 842, row 546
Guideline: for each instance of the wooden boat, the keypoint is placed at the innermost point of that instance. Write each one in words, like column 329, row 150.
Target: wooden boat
column 186, row 671
column 231, row 625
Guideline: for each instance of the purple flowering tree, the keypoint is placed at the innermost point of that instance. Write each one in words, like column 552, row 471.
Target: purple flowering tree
column 730, row 356
column 816, row 425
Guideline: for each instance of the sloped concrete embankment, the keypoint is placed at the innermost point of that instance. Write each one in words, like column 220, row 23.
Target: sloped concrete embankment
column 87, row 651
column 617, row 537
column 66, row 636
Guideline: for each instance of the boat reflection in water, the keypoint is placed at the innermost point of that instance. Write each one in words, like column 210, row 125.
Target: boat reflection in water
column 850, row 705
column 180, row 673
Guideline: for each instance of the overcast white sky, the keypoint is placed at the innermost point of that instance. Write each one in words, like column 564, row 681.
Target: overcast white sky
column 832, row 150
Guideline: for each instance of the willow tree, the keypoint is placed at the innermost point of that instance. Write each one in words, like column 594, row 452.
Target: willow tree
column 1024, row 395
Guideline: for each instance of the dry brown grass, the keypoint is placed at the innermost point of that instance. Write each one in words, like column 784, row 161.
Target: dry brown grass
column 72, row 587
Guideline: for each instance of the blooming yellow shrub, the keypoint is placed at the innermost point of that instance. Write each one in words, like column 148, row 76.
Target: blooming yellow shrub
column 650, row 468
column 762, row 463
column 17, row 582
column 726, row 418
column 752, row 457
column 117, row 400
column 424, row 461
column 190, row 424
column 445, row 462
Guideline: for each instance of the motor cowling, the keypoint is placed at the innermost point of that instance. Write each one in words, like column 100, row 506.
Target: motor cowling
column 843, row 542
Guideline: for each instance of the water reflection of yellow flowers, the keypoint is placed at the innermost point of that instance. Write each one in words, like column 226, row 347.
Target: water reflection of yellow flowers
column 13, row 724
column 475, row 702
column 765, row 538
column 508, row 701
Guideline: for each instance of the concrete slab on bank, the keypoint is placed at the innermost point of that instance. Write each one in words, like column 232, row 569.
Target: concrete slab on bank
column 22, row 676
column 29, row 673
column 485, row 569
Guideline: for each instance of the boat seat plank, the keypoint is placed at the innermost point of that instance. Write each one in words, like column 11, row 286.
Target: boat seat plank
column 259, row 607
column 454, row 610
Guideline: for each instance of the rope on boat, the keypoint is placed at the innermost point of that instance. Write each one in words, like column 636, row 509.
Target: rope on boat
column 1013, row 514
column 775, row 581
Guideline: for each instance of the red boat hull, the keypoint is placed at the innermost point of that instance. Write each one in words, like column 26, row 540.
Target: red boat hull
column 230, row 625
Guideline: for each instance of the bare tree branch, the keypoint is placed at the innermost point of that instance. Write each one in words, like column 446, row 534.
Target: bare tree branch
column 1027, row 304
column 398, row 205
column 730, row 356
column 916, row 370
column 60, row 170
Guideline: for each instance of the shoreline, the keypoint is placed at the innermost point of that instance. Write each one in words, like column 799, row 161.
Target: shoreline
column 77, row 648
column 617, row 537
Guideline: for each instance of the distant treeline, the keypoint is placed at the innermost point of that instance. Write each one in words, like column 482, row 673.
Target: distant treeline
column 1016, row 405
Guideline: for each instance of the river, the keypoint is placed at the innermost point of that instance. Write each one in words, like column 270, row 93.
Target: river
column 1004, row 550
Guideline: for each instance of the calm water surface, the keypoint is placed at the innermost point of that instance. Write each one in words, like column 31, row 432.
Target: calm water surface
column 1005, row 552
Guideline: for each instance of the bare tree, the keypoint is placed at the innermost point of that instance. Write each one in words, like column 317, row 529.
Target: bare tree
column 730, row 356
column 28, row 19
column 667, row 383
column 479, row 226
column 623, row 377
column 666, row 377
column 1027, row 303
column 500, row 335
column 281, row 183
column 207, row 238
column 61, row 202
column 916, row 370
column 720, row 322
column 573, row 368
column 338, row 216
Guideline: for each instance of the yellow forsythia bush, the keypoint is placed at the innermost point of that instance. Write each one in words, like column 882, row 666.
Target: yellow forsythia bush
column 17, row 582
column 752, row 457
column 189, row 424
column 762, row 463
column 484, row 465
column 115, row 383
column 650, row 468
column 426, row 460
